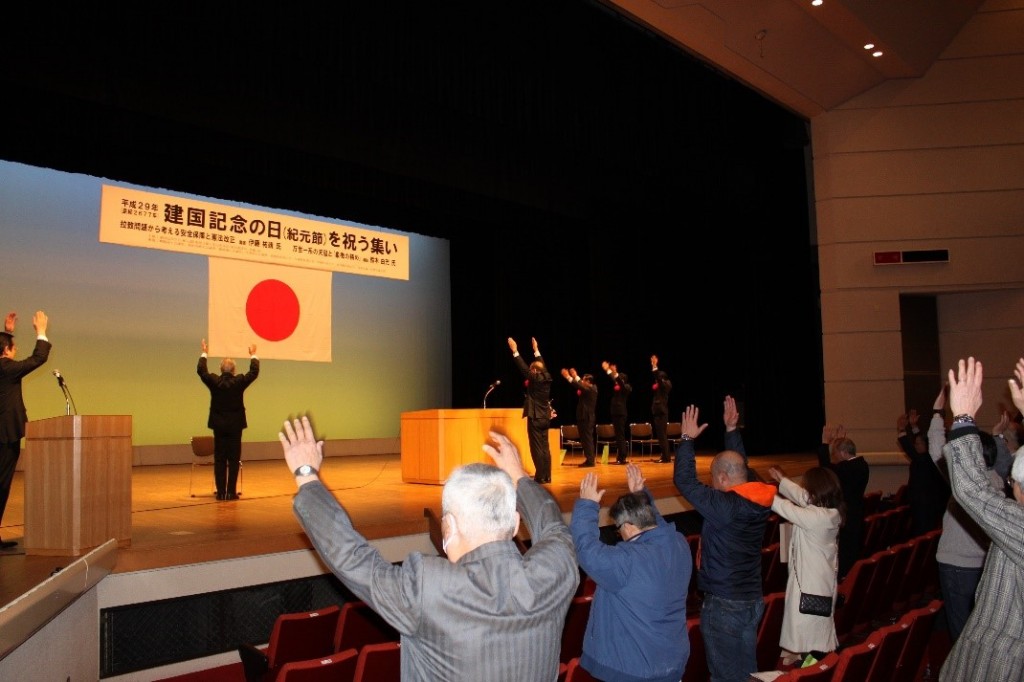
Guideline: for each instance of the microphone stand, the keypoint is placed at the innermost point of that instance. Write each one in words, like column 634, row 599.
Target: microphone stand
column 493, row 386
column 68, row 400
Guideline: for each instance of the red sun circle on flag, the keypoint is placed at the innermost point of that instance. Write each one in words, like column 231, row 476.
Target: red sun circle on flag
column 272, row 310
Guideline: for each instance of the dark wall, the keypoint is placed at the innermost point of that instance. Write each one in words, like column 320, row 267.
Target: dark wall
column 601, row 190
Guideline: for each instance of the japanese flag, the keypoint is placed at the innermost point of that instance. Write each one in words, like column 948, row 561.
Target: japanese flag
column 284, row 311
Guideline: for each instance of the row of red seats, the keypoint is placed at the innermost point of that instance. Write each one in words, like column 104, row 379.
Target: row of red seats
column 350, row 642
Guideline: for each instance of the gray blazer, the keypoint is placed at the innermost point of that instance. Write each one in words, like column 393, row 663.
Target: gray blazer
column 495, row 616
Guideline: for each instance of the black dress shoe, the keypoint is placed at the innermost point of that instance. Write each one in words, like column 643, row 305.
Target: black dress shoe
column 8, row 544
column 230, row 496
column 586, row 464
column 664, row 461
column 219, row 496
column 621, row 461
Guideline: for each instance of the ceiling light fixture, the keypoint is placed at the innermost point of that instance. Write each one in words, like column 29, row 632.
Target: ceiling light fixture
column 817, row 3
column 877, row 53
column 869, row 46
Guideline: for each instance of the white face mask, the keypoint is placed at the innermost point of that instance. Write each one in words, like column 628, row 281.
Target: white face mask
column 445, row 540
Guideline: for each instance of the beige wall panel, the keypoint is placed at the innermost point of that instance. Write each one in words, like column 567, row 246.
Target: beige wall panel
column 989, row 326
column 860, row 311
column 960, row 80
column 863, row 357
column 989, row 33
column 998, row 351
column 865, row 406
column 961, row 124
column 926, row 171
column 880, row 446
column 982, row 310
column 924, row 217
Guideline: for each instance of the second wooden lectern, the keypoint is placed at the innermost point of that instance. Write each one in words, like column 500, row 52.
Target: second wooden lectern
column 436, row 441
column 78, row 483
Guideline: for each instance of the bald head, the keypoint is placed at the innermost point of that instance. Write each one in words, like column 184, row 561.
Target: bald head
column 728, row 469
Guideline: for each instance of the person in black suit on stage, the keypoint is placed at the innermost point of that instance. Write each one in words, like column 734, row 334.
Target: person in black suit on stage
column 586, row 411
column 659, row 409
column 536, row 408
column 227, row 418
column 619, row 409
column 13, row 415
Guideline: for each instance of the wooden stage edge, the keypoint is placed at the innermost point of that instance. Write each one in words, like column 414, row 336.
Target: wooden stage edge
column 170, row 527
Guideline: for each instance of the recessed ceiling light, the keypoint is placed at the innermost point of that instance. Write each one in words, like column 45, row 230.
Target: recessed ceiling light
column 816, row 3
column 869, row 46
column 877, row 53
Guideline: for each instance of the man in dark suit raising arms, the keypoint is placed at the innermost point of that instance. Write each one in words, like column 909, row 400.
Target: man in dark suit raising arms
column 536, row 408
column 13, row 416
column 227, row 417
column 659, row 409
column 586, row 411
column 619, row 409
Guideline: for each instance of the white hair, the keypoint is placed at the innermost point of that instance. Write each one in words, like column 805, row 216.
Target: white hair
column 482, row 498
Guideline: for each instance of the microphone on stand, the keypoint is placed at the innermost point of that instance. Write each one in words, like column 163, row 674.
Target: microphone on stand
column 68, row 400
column 490, row 388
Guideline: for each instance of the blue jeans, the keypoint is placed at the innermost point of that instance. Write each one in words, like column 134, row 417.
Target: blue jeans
column 958, row 585
column 729, row 628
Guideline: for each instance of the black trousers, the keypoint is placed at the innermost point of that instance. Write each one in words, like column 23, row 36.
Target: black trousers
column 9, row 453
column 621, row 444
column 540, row 449
column 660, row 424
column 227, row 454
column 587, row 436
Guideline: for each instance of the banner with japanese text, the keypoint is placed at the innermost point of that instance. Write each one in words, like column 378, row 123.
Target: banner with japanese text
column 133, row 217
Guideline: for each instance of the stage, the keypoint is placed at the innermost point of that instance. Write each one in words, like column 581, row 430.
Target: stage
column 171, row 528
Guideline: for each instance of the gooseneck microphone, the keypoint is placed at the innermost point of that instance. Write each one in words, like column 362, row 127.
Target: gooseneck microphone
column 68, row 400
column 497, row 382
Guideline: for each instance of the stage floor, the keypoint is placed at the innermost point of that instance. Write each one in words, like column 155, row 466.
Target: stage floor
column 171, row 528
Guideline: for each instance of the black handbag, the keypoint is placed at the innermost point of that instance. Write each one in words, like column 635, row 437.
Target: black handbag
column 812, row 604
column 815, row 604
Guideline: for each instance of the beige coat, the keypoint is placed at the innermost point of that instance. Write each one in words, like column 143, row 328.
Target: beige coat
column 813, row 557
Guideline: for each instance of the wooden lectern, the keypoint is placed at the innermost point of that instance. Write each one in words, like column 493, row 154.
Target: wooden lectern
column 78, row 483
column 436, row 441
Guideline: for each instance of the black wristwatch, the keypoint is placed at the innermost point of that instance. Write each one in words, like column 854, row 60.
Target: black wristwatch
column 305, row 470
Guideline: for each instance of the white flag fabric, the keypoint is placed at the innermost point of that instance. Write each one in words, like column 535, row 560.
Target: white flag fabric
column 285, row 311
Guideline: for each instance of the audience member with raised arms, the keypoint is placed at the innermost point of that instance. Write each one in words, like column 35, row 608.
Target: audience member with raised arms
column 637, row 626
column 815, row 507
column 734, row 513
column 991, row 645
column 486, row 612
column 839, row 453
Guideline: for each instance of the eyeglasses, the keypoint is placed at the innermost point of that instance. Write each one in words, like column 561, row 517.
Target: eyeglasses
column 1010, row 480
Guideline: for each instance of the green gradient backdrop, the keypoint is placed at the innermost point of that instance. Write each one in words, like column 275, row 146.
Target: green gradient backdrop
column 126, row 324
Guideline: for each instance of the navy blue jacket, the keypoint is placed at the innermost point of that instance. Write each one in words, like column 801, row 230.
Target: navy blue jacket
column 732, row 535
column 637, row 626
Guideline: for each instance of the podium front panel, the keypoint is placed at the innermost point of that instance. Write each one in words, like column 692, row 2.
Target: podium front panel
column 78, row 472
column 434, row 442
